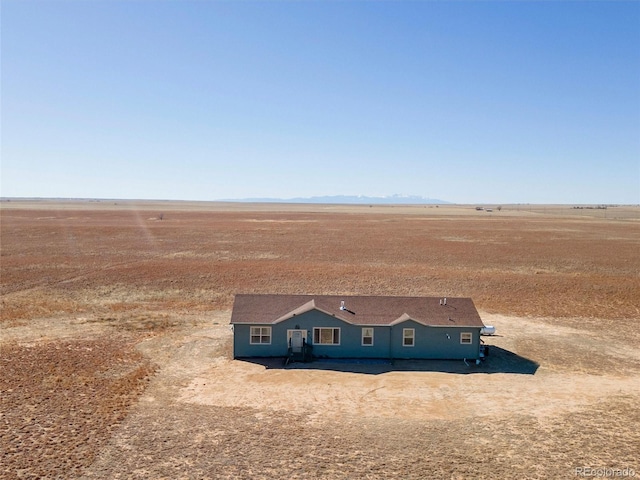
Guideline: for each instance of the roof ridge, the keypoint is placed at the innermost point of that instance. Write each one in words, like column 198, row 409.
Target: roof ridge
column 305, row 307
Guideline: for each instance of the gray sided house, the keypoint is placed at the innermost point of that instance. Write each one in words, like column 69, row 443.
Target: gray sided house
column 333, row 326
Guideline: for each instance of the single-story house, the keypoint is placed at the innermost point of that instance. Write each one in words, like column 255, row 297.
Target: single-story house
column 338, row 326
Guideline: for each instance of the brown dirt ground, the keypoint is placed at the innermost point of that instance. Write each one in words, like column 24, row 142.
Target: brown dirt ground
column 116, row 362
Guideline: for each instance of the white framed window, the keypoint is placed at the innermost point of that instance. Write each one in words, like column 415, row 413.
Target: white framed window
column 408, row 337
column 260, row 336
column 466, row 337
column 367, row 337
column 326, row 336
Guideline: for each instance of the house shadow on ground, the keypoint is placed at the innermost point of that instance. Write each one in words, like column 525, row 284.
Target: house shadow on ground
column 499, row 360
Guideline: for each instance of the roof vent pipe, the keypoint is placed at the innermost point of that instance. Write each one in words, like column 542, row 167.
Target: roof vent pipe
column 445, row 300
column 440, row 301
column 342, row 305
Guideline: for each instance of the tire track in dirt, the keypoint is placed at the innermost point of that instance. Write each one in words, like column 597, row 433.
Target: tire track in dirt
column 78, row 276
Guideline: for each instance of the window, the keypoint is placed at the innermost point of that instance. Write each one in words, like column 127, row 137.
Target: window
column 466, row 337
column 326, row 336
column 408, row 337
column 367, row 337
column 260, row 336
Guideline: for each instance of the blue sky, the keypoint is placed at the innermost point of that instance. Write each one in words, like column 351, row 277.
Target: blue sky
column 469, row 102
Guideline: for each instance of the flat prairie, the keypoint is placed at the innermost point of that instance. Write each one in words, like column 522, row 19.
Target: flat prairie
column 116, row 350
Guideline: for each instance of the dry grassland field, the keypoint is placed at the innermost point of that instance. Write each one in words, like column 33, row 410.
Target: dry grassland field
column 116, row 360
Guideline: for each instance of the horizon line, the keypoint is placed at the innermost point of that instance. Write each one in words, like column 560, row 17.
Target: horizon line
column 8, row 199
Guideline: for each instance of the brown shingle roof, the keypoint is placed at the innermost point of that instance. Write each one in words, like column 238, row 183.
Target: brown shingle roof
column 367, row 310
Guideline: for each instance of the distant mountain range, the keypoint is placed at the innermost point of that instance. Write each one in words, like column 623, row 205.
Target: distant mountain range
column 351, row 199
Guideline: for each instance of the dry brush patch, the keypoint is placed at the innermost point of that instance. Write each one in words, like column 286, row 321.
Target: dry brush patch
column 61, row 401
column 69, row 261
column 235, row 442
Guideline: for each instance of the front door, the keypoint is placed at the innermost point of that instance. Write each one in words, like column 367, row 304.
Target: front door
column 296, row 339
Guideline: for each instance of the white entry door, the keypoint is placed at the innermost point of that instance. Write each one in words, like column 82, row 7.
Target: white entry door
column 295, row 339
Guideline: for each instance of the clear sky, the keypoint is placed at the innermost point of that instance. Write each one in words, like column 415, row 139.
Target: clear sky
column 469, row 102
